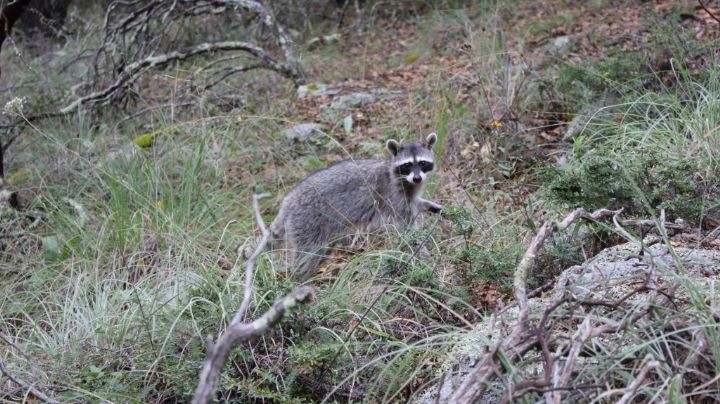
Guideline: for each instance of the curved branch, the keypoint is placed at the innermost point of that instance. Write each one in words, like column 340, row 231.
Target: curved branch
column 25, row 385
column 239, row 332
column 250, row 264
column 519, row 339
column 283, row 40
column 133, row 71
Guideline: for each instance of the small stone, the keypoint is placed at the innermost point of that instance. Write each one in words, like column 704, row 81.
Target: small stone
column 353, row 100
column 126, row 152
column 316, row 90
column 348, row 124
column 304, row 131
column 561, row 41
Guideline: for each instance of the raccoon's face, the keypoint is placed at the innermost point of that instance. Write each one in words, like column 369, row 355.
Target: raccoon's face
column 412, row 163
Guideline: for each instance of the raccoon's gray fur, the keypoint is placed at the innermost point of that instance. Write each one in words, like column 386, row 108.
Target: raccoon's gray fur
column 352, row 194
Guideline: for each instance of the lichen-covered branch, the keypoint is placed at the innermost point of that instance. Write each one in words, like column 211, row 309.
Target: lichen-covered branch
column 134, row 70
column 238, row 331
column 520, row 337
column 25, row 385
column 219, row 351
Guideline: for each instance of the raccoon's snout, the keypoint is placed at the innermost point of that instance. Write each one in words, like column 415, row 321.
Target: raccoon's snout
column 417, row 179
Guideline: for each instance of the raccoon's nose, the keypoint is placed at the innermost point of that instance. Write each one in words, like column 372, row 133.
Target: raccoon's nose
column 417, row 179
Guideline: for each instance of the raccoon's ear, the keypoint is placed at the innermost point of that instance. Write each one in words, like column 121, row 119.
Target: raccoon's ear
column 430, row 140
column 393, row 146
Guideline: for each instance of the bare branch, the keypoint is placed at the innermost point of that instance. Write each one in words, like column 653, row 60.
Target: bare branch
column 702, row 4
column 133, row 71
column 237, row 331
column 630, row 390
column 519, row 338
column 250, row 264
column 284, row 42
column 25, row 385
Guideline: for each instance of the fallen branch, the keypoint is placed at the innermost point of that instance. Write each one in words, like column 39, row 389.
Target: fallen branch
column 250, row 263
column 702, row 4
column 237, row 331
column 630, row 390
column 519, row 339
column 25, row 385
column 134, row 70
column 283, row 40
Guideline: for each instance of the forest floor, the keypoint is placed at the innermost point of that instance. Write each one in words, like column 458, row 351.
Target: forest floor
column 121, row 260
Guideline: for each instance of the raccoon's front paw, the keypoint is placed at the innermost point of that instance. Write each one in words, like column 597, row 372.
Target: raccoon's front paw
column 434, row 208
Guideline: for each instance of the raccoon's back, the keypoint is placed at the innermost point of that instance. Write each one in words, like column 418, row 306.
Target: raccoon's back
column 343, row 182
column 351, row 192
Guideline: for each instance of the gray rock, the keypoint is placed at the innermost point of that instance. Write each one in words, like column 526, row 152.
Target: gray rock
column 557, row 48
column 322, row 40
column 316, row 90
column 304, row 131
column 352, row 100
column 348, row 124
column 609, row 275
column 126, row 152
column 561, row 42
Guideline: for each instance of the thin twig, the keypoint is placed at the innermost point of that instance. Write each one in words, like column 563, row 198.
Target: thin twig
column 702, row 4
column 250, row 263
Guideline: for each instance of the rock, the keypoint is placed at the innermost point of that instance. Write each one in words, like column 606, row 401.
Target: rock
column 610, row 272
column 608, row 276
column 561, row 42
column 125, row 152
column 316, row 90
column 352, row 100
column 348, row 124
column 558, row 47
column 322, row 40
column 304, row 131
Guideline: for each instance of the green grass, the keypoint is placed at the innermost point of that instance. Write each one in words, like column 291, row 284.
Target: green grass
column 648, row 153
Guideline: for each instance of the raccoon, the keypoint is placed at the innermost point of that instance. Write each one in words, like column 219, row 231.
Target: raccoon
column 350, row 195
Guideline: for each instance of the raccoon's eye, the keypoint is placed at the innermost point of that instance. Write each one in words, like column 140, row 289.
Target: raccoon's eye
column 404, row 169
column 426, row 166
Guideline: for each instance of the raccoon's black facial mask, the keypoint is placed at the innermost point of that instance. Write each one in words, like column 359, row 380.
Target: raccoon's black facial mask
column 404, row 169
column 426, row 166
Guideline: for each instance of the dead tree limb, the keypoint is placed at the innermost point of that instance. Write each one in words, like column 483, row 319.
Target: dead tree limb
column 519, row 339
column 133, row 71
column 283, row 40
column 702, row 4
column 250, row 263
column 238, row 331
column 25, row 385
column 629, row 391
